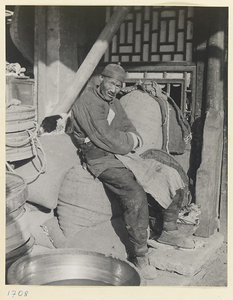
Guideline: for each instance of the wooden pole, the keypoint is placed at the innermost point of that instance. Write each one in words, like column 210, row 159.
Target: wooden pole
column 91, row 61
column 209, row 173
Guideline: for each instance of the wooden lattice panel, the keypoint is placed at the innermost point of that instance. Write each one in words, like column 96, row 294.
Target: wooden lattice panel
column 152, row 33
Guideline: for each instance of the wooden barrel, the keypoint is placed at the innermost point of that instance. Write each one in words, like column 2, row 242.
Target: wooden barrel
column 20, row 126
column 19, row 153
column 20, row 117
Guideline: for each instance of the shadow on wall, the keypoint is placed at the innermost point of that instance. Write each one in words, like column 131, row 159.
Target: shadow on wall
column 86, row 20
column 19, row 48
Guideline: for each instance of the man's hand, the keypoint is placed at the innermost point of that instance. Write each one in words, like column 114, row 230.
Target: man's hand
column 55, row 123
column 137, row 141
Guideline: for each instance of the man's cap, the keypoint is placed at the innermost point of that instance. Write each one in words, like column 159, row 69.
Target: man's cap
column 114, row 71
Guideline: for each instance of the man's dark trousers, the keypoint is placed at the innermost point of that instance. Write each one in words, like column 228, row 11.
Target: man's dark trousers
column 133, row 203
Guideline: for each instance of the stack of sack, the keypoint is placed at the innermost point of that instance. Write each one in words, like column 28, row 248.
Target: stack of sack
column 68, row 207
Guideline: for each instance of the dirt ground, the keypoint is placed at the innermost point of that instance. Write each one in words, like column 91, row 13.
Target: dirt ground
column 214, row 273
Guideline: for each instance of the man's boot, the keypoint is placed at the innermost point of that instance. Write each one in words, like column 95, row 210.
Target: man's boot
column 146, row 270
column 155, row 218
column 170, row 234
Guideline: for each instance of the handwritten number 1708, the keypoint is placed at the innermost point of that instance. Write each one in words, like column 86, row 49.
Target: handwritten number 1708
column 19, row 293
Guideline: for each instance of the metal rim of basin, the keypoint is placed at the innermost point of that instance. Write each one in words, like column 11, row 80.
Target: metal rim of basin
column 73, row 264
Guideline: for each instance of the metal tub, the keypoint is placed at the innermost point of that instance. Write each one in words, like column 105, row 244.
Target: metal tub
column 74, row 268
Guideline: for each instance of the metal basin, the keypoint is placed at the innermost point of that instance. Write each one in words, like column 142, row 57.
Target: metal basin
column 16, row 193
column 74, row 268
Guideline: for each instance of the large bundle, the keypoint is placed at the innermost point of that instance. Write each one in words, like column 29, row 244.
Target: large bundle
column 83, row 202
column 60, row 155
column 157, row 118
column 144, row 112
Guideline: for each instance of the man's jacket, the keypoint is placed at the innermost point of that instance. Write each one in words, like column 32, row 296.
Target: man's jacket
column 107, row 127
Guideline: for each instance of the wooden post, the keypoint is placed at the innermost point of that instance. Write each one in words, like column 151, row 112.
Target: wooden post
column 86, row 69
column 200, row 44
column 209, row 174
column 39, row 60
column 55, row 55
column 200, row 39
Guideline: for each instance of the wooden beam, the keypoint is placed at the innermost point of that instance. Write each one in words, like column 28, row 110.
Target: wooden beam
column 91, row 61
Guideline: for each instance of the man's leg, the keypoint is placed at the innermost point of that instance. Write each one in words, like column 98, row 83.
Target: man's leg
column 133, row 202
column 170, row 234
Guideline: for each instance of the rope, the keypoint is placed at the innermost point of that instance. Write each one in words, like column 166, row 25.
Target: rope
column 36, row 148
column 36, row 145
column 20, row 144
column 8, row 166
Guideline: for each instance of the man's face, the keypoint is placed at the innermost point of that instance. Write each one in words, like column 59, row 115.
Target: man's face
column 109, row 87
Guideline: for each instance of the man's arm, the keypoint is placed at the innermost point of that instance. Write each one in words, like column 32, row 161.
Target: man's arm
column 91, row 116
column 128, row 126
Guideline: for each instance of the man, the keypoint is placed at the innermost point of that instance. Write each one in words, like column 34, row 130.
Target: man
column 102, row 129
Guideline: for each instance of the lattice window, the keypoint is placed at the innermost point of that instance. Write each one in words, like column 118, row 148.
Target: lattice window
column 152, row 34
